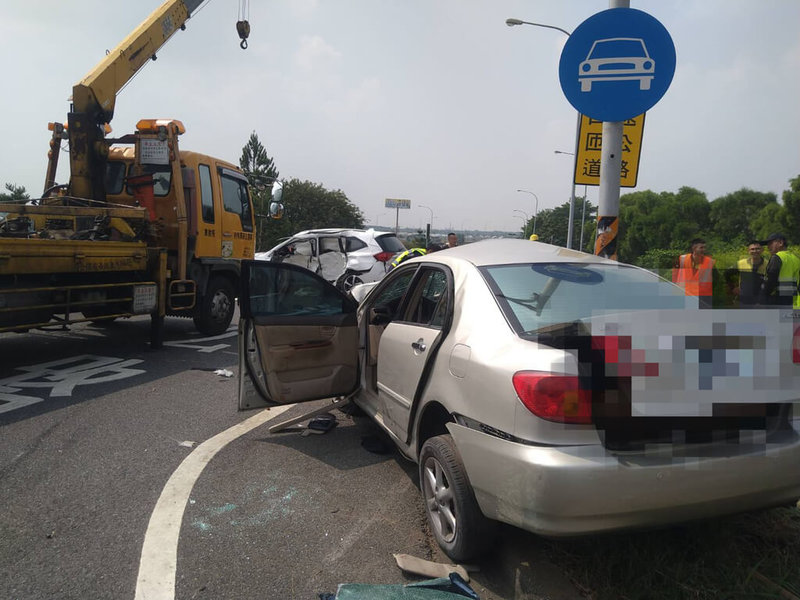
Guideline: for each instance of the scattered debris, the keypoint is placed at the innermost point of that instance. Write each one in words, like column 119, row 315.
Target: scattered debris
column 324, row 422
column 286, row 424
column 420, row 566
column 223, row 373
column 445, row 588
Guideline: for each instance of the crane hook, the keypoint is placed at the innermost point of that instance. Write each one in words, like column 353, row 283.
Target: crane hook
column 243, row 29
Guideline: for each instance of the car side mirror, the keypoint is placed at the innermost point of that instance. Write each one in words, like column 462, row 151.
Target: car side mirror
column 380, row 315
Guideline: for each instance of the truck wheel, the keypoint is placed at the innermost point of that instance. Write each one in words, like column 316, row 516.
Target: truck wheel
column 215, row 308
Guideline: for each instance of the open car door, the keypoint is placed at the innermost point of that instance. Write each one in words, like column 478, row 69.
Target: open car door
column 298, row 337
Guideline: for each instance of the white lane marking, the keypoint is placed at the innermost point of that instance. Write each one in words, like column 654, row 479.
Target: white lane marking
column 192, row 343
column 158, row 564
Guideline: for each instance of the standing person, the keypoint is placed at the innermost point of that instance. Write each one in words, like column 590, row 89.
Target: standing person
column 452, row 240
column 782, row 277
column 694, row 272
column 745, row 279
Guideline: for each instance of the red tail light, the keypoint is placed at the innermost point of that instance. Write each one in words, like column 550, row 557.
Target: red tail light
column 384, row 257
column 796, row 346
column 556, row 398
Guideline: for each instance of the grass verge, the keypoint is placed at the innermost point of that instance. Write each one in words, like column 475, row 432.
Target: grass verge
column 749, row 556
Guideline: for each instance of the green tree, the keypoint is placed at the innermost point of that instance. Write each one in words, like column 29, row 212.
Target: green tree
column 261, row 172
column 256, row 163
column 551, row 225
column 15, row 193
column 791, row 202
column 770, row 219
column 732, row 216
column 650, row 220
column 309, row 205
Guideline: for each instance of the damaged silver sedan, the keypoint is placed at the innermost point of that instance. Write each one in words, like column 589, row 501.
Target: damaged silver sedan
column 542, row 387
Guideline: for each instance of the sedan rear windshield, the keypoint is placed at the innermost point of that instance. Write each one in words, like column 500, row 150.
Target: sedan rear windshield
column 539, row 295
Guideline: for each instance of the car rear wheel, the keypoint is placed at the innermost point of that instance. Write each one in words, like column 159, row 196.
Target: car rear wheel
column 455, row 517
column 215, row 308
column 347, row 281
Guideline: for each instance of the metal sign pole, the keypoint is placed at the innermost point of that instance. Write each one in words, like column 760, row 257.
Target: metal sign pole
column 610, row 166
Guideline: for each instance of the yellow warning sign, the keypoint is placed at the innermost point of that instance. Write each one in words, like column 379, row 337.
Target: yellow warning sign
column 587, row 165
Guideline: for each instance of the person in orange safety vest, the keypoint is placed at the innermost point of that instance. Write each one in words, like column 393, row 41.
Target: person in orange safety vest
column 694, row 272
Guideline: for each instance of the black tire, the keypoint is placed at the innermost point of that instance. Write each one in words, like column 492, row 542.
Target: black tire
column 347, row 281
column 458, row 524
column 214, row 310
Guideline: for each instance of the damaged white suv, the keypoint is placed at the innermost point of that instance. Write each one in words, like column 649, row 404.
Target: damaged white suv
column 344, row 257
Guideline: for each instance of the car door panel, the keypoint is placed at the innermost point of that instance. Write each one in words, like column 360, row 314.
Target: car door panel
column 402, row 356
column 308, row 361
column 298, row 337
column 408, row 347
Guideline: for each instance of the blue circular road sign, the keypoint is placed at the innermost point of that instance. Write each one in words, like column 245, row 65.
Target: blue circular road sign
column 617, row 64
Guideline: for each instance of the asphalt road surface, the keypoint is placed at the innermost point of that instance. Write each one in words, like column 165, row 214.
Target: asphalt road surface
column 128, row 473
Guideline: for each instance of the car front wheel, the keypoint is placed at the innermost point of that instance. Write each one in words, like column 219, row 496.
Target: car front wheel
column 457, row 522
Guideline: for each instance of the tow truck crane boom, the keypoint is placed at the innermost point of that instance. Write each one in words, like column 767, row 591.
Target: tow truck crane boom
column 94, row 96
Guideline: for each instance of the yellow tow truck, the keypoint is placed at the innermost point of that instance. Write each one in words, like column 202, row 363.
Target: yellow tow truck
column 142, row 227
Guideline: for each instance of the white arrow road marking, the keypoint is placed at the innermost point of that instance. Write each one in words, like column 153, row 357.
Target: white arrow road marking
column 158, row 564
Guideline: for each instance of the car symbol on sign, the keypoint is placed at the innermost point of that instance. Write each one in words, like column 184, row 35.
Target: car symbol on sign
column 617, row 59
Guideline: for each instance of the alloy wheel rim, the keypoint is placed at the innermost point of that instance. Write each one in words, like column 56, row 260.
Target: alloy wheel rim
column 439, row 500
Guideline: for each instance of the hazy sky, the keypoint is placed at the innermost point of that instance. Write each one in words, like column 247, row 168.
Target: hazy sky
column 437, row 101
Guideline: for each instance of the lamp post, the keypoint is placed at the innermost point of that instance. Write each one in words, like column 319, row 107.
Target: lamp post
column 511, row 23
column 524, row 221
column 430, row 226
column 527, row 220
column 535, row 207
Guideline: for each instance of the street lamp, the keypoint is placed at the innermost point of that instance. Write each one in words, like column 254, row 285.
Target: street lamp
column 524, row 221
column 535, row 207
column 583, row 210
column 511, row 23
column 430, row 226
column 527, row 220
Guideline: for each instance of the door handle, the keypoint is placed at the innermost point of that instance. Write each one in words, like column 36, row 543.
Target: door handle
column 419, row 345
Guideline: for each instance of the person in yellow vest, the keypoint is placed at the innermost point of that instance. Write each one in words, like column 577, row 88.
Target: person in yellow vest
column 412, row 253
column 694, row 272
column 782, row 277
column 745, row 279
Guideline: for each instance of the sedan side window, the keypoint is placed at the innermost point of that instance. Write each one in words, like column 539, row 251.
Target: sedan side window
column 428, row 305
column 390, row 297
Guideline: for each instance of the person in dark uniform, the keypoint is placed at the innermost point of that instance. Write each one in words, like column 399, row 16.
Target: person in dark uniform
column 745, row 279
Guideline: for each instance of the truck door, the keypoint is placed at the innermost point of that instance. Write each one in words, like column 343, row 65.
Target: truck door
column 209, row 225
column 238, row 240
